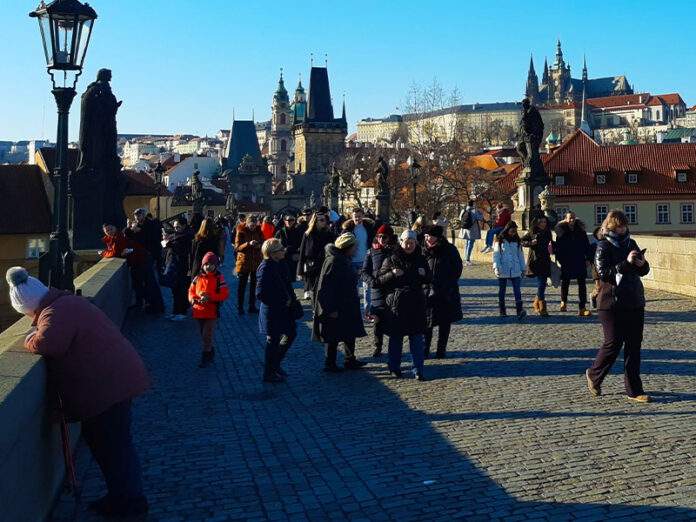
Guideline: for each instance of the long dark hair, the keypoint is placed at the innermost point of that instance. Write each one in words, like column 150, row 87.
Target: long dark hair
column 504, row 233
column 535, row 224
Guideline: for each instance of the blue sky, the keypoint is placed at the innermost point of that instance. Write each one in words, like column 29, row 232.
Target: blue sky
column 184, row 65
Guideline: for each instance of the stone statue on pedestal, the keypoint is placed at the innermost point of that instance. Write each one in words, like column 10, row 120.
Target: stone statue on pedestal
column 531, row 135
column 383, row 194
column 197, row 194
column 98, row 186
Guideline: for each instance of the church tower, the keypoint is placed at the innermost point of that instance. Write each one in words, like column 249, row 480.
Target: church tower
column 280, row 141
column 299, row 104
column 532, row 90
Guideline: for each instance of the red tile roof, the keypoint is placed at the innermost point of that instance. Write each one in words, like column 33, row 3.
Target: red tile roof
column 24, row 207
column 141, row 184
column 580, row 157
column 631, row 101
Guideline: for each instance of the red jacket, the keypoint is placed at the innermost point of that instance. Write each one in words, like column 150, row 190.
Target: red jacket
column 213, row 284
column 117, row 244
column 504, row 216
column 91, row 363
column 268, row 230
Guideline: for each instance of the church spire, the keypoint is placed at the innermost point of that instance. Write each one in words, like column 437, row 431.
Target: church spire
column 559, row 54
column 584, row 69
column 545, row 77
column 532, row 89
column 584, row 125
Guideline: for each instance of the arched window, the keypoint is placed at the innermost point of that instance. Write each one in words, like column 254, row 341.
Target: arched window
column 282, row 119
column 283, row 144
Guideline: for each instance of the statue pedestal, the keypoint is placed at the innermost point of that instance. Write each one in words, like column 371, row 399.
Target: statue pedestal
column 383, row 208
column 530, row 184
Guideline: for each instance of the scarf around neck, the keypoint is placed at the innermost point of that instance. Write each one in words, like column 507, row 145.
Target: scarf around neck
column 618, row 240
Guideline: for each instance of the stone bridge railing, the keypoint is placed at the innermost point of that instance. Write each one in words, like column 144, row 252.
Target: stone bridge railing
column 31, row 458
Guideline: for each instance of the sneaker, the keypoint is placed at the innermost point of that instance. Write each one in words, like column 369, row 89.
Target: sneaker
column 178, row 317
column 468, row 263
column 419, row 377
column 639, row 398
column 594, row 390
column 307, row 295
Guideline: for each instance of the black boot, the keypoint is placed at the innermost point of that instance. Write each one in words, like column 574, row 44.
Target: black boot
column 503, row 312
column 521, row 314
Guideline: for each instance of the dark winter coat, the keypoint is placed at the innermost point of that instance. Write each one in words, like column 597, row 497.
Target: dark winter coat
column 443, row 301
column 610, row 261
column 337, row 291
column 149, row 236
column 275, row 293
column 291, row 239
column 405, row 296
column 539, row 258
column 313, row 251
column 572, row 249
column 177, row 257
column 199, row 248
column 373, row 262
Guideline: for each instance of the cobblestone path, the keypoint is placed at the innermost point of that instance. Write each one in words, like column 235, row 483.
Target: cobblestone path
column 504, row 429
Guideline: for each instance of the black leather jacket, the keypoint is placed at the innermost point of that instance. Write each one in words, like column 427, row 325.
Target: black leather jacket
column 628, row 292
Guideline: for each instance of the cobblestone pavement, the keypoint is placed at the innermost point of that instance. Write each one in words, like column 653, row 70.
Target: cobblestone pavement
column 504, row 429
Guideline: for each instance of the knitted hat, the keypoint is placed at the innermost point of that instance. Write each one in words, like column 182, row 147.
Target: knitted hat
column 345, row 241
column 408, row 234
column 210, row 257
column 385, row 230
column 26, row 292
column 436, row 231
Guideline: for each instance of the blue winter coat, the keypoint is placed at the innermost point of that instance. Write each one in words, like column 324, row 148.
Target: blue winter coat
column 274, row 292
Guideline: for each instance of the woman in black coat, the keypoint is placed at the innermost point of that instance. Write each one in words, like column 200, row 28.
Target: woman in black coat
column 176, row 267
column 621, row 303
column 443, row 304
column 572, row 248
column 401, row 278
column 337, row 317
column 313, row 251
column 539, row 260
column 206, row 240
column 382, row 248
column 291, row 238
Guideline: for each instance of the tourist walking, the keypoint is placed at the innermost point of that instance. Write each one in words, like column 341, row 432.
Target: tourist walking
column 538, row 240
column 443, row 301
column 572, row 248
column 313, row 251
column 278, row 303
column 337, row 305
column 470, row 220
column 177, row 254
column 401, row 278
column 207, row 292
column 206, row 240
column 97, row 373
column 147, row 231
column 248, row 246
column 502, row 218
column 621, row 306
column 382, row 248
column 290, row 236
column 509, row 265
column 364, row 231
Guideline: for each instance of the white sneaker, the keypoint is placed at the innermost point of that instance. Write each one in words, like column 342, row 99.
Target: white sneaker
column 307, row 295
column 468, row 263
column 179, row 317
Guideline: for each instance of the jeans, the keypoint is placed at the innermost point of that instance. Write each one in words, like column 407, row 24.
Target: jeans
column 416, row 345
column 469, row 248
column 207, row 327
column 443, row 333
column 332, row 352
column 276, row 348
column 245, row 277
column 582, row 290
column 622, row 328
column 357, row 266
column 516, row 288
column 108, row 436
column 378, row 331
column 542, row 282
column 490, row 235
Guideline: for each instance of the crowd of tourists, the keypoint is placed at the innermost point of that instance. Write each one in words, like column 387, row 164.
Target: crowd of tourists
column 357, row 274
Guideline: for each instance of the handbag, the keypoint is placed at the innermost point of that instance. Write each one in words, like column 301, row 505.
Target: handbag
column 296, row 310
column 555, row 275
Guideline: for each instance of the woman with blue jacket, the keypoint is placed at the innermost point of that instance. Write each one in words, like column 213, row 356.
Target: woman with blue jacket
column 274, row 292
column 509, row 264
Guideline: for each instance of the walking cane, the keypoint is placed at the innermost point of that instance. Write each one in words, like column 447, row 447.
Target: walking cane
column 71, row 483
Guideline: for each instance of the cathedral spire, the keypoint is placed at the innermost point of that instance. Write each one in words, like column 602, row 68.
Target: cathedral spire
column 559, row 54
column 584, row 68
column 532, row 89
column 545, row 77
column 584, row 125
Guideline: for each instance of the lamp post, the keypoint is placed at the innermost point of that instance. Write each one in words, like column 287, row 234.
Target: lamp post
column 414, row 168
column 66, row 28
column 159, row 172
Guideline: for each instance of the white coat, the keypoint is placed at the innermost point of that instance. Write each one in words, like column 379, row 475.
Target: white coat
column 508, row 259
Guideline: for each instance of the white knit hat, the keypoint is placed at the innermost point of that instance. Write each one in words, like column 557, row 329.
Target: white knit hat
column 408, row 234
column 26, row 292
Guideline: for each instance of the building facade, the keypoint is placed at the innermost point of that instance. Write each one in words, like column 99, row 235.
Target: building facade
column 280, row 143
column 246, row 172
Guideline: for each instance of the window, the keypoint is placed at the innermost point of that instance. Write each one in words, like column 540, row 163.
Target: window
column 601, row 179
column 631, row 212
column 600, row 212
column 560, row 180
column 687, row 213
column 657, row 115
column 681, row 176
column 663, row 215
column 632, row 177
column 36, row 247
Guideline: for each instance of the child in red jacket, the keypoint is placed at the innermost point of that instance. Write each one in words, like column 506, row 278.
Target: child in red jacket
column 207, row 292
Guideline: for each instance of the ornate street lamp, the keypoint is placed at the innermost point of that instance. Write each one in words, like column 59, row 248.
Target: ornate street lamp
column 66, row 28
column 159, row 172
column 414, row 169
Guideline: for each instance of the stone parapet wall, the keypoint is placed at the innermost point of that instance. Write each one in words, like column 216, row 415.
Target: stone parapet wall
column 31, row 458
column 672, row 263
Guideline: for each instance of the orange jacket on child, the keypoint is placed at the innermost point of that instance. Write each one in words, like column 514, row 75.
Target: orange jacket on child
column 213, row 284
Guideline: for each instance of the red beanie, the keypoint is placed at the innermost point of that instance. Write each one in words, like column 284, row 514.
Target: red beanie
column 385, row 230
column 210, row 257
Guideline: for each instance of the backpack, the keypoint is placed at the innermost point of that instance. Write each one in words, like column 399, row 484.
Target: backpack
column 467, row 220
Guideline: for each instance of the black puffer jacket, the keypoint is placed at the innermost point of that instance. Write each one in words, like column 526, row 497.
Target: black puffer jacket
column 628, row 291
column 312, row 252
column 572, row 249
column 373, row 262
column 444, row 304
column 404, row 294
column 337, row 292
column 539, row 259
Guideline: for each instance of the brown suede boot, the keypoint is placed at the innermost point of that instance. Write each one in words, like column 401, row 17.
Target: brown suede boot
column 543, row 311
column 536, row 305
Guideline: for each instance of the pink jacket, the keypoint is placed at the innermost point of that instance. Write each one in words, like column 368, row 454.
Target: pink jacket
column 91, row 364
